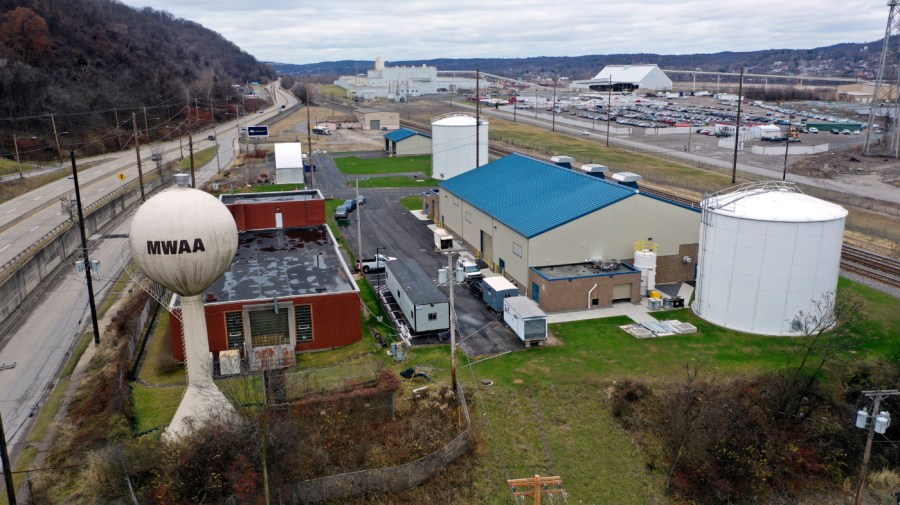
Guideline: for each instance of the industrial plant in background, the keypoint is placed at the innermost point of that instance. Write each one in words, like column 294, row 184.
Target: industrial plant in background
column 184, row 239
column 767, row 252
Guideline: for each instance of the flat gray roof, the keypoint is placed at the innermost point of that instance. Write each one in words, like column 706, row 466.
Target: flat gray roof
column 282, row 263
column 277, row 196
column 417, row 284
column 556, row 272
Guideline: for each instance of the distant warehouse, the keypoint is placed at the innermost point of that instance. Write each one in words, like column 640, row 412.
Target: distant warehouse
column 626, row 79
column 567, row 239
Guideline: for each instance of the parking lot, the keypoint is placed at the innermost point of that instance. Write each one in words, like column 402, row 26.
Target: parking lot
column 387, row 225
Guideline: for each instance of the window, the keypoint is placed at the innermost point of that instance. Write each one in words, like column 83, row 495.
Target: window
column 432, row 316
column 468, row 217
column 303, row 320
column 268, row 327
column 517, row 249
column 234, row 327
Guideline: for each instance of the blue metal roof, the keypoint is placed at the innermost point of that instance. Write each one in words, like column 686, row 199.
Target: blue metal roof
column 532, row 196
column 402, row 133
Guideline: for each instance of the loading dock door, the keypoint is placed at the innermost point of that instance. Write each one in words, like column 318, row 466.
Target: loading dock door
column 487, row 247
column 375, row 124
column 622, row 292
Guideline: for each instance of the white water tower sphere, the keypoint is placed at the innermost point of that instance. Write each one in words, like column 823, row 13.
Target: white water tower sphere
column 184, row 239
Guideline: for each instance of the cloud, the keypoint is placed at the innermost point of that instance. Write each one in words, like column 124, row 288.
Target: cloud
column 354, row 29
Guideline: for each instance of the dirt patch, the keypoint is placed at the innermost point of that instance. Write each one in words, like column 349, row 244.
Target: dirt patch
column 850, row 162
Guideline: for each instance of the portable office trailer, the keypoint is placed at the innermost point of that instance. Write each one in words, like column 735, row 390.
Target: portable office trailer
column 496, row 289
column 526, row 319
column 425, row 307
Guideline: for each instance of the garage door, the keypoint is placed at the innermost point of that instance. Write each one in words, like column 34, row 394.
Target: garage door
column 375, row 124
column 622, row 292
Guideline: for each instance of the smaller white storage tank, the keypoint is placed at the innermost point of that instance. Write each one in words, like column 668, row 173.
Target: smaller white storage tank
column 767, row 252
column 645, row 261
column 526, row 319
column 454, row 146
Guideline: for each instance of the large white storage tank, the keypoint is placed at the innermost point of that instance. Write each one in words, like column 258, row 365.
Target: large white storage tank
column 767, row 252
column 453, row 145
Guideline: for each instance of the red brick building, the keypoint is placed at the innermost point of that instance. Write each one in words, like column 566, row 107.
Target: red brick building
column 288, row 288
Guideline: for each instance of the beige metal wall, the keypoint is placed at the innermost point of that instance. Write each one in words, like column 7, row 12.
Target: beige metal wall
column 609, row 233
column 415, row 145
column 389, row 120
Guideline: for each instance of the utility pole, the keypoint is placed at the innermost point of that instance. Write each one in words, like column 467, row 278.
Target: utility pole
column 477, row 128
column 536, row 487
column 553, row 113
column 84, row 253
column 309, row 136
column 787, row 144
column 137, row 152
column 608, row 106
column 146, row 126
column 116, row 112
column 18, row 161
column 358, row 223
column 7, row 467
column 883, row 87
column 452, row 322
column 737, row 127
column 191, row 141
column 878, row 396
column 56, row 136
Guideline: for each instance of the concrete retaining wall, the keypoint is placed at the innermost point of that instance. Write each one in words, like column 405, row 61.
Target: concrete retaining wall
column 25, row 272
column 778, row 150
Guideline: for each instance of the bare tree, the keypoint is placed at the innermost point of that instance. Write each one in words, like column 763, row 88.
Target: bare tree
column 828, row 331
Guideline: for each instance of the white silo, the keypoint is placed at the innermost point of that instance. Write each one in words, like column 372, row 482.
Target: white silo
column 453, row 144
column 645, row 261
column 185, row 239
column 767, row 252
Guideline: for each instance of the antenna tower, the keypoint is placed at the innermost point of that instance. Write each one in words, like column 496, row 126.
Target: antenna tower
column 887, row 87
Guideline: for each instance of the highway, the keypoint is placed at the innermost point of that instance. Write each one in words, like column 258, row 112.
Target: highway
column 40, row 342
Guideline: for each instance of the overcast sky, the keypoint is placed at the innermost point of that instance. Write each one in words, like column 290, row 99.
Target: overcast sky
column 311, row 31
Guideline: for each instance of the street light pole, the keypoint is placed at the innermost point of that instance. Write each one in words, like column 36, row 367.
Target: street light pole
column 84, row 251
column 452, row 323
column 358, row 225
column 737, row 127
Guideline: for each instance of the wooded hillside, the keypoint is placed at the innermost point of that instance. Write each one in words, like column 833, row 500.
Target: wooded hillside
column 94, row 57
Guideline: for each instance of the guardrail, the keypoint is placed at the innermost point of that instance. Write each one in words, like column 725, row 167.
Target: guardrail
column 11, row 266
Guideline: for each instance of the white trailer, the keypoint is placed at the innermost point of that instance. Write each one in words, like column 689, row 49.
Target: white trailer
column 442, row 240
column 526, row 319
column 423, row 305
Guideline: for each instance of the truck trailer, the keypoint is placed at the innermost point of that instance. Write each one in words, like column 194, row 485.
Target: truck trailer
column 526, row 319
column 496, row 289
column 424, row 306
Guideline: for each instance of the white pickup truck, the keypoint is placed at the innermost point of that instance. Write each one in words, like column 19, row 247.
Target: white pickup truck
column 376, row 264
column 469, row 269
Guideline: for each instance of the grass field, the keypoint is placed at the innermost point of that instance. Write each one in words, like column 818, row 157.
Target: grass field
column 374, row 166
column 412, row 202
column 547, row 410
column 8, row 167
column 200, row 158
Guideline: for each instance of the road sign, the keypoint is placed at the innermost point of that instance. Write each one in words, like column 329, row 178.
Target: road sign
column 121, row 176
column 257, row 131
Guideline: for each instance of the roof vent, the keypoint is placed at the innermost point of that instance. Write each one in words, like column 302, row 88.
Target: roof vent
column 595, row 170
column 563, row 161
column 627, row 179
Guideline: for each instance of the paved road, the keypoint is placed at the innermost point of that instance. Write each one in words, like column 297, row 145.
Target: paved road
column 41, row 341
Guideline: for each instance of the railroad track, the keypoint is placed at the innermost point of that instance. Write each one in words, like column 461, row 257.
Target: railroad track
column 853, row 259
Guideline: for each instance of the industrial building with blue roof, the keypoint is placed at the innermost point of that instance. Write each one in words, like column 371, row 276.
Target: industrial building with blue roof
column 406, row 142
column 518, row 213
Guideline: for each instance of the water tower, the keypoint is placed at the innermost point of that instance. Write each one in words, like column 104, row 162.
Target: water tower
column 184, row 239
column 459, row 143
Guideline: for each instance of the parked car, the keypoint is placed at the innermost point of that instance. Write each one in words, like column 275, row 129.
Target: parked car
column 156, row 157
column 856, row 132
column 835, row 132
column 340, row 212
column 813, row 129
column 350, row 204
column 210, row 137
column 361, row 199
column 845, row 131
